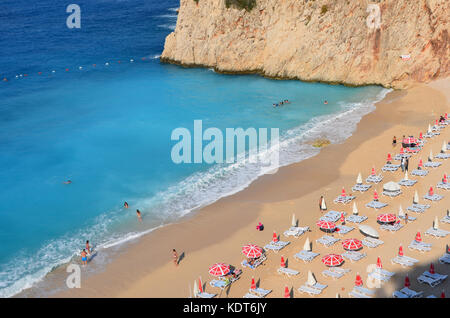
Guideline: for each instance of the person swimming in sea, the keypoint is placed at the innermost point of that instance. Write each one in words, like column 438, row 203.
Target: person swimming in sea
column 138, row 213
column 325, row 102
column 67, row 182
column 125, row 205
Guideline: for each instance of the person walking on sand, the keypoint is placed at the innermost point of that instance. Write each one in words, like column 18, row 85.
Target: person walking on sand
column 406, row 218
column 138, row 213
column 175, row 257
column 88, row 248
column 83, row 257
column 394, row 141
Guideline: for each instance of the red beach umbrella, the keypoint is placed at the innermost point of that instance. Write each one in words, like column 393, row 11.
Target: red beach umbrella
column 219, row 269
column 274, row 237
column 386, row 218
column 379, row 265
column 252, row 250
column 418, row 237
column 375, row 195
column 407, row 282
column 287, row 294
column 400, row 251
column 352, row 244
column 326, row 225
column 253, row 285
column 283, row 263
column 342, row 217
column 373, row 171
column 443, row 294
column 200, row 286
column 358, row 281
column 343, row 192
column 389, row 158
column 332, row 260
column 431, row 269
column 430, row 192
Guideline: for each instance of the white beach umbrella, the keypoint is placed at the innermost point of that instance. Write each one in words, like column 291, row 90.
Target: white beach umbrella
column 307, row 246
column 444, row 147
column 416, row 198
column 323, row 205
column 369, row 231
column 311, row 280
column 337, row 295
column 400, row 211
column 359, row 179
column 436, row 223
column 431, row 156
column 391, row 186
column 406, row 176
column 355, row 209
column 429, row 128
column 196, row 291
column 294, row 221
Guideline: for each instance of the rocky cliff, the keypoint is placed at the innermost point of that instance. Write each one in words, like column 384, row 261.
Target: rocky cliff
column 355, row 42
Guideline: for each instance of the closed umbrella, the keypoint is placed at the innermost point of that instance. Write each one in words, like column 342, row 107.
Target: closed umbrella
column 219, row 269
column 402, row 151
column 373, row 172
column 342, row 218
column 445, row 178
column 443, row 294
column 436, row 223
column 420, row 163
column 418, row 237
column 200, row 285
column 307, row 246
column 283, row 263
column 358, row 281
column 359, row 179
column 311, row 279
column 430, row 192
column 287, row 294
column 430, row 157
column 375, row 195
column 429, row 129
column 294, row 221
column 444, row 147
column 196, row 291
column 416, row 198
column 368, row 231
column 432, row 269
column 401, row 213
column 323, row 205
column 355, row 209
column 332, row 260
column 400, row 251
column 253, row 284
column 379, row 265
column 406, row 176
column 343, row 194
column 407, row 282
column 389, row 158
column 274, row 237
column 352, row 244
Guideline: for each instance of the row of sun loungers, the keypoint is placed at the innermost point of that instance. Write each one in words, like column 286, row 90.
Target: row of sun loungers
column 306, row 256
column 315, row 289
column 327, row 240
column 442, row 185
column 374, row 179
column 442, row 156
column 343, row 229
column 361, row 187
column 437, row 232
column 296, row 231
column 420, row 246
column 434, row 197
column 376, row 204
column 332, row 216
column 391, row 227
column 410, row 218
column 418, row 208
column 419, row 173
column 407, row 183
column 257, row 262
column 335, row 272
column 432, row 164
column 446, row 219
column 344, row 199
column 287, row 271
column 445, row 259
column 407, row 293
column 372, row 242
column 431, row 279
column 390, row 167
column 353, row 256
column 405, row 261
column 276, row 246
column 356, row 218
column 257, row 293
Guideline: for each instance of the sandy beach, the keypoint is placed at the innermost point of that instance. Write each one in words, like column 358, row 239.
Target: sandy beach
column 144, row 268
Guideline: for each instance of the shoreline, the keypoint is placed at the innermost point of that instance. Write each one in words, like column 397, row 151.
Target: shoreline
column 133, row 273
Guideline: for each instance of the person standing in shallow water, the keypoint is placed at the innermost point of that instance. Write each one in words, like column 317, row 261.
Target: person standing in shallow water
column 139, row 216
column 83, row 257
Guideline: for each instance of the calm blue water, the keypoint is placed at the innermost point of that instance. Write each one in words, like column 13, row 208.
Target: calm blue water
column 108, row 128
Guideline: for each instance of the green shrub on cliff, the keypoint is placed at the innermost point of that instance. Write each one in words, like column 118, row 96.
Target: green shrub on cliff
column 241, row 4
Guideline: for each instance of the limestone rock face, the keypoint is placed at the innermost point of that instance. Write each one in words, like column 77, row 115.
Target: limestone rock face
column 317, row 40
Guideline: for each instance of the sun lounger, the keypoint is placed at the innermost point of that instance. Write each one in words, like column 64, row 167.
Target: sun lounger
column 327, row 240
column 390, row 167
column 287, row 271
column 442, row 156
column 392, row 228
column 306, row 256
column 376, row 204
column 296, row 231
column 398, row 294
column 445, row 219
column 344, row 199
column 418, row 208
column 276, row 246
column 377, row 276
column 319, row 286
column 402, row 261
column 356, row 294
column 309, row 290
column 356, row 218
column 432, row 164
column 424, row 279
column 372, row 242
column 420, row 173
column 374, row 179
column 257, row 262
column 361, row 187
column 353, row 255
column 401, row 156
column 437, row 232
column 442, row 185
column 260, row 292
column 434, row 197
column 249, row 295
column 329, row 273
column 219, row 283
column 332, row 216
column 343, row 229
column 384, row 272
column 435, row 275
column 410, row 218
column 420, row 247
column 445, row 259
column 431, row 296
column 407, row 183
column 408, row 293
column 364, row 290
column 391, row 194
column 205, row 295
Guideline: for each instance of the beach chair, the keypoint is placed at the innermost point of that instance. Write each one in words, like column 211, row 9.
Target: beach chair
column 327, row 240
column 418, row 208
column 276, row 246
column 437, row 232
column 332, row 216
column 432, row 164
column 364, row 290
column 445, row 219
column 249, row 295
column 374, row 179
column 445, row 259
column 376, row 204
column 296, row 231
column 401, row 156
column 311, row 291
column 287, row 271
column 407, row 183
column 332, row 274
column 408, row 293
column 384, row 272
column 372, row 242
column 434, row 197
column 378, row 276
column 414, row 245
column 390, row 167
column 431, row 296
column 402, row 261
column 343, row 229
column 356, row 294
column 410, row 218
column 257, row 262
column 344, row 199
column 220, row 283
column 398, row 294
column 353, row 256
column 260, row 292
column 205, row 295
column 442, row 156
column 433, row 282
column 361, row 187
column 419, row 173
column 442, row 185
column 306, row 256
column 391, row 227
column 356, row 218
